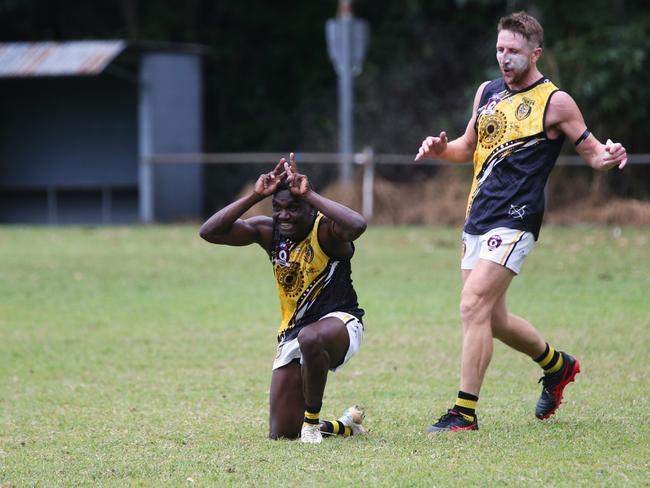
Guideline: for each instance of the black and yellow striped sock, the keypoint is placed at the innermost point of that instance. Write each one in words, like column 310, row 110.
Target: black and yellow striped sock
column 466, row 405
column 550, row 360
column 335, row 427
column 312, row 415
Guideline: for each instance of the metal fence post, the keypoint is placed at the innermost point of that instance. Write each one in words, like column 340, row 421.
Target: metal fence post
column 368, row 184
column 145, row 150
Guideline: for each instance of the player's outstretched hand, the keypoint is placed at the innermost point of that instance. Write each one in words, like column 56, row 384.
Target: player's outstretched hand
column 298, row 184
column 432, row 147
column 267, row 183
column 615, row 155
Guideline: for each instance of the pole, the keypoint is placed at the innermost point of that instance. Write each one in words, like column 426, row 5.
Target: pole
column 346, row 95
column 367, row 192
column 145, row 150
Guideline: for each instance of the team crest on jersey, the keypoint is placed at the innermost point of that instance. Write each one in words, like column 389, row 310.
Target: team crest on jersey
column 494, row 242
column 491, row 129
column 309, row 253
column 524, row 108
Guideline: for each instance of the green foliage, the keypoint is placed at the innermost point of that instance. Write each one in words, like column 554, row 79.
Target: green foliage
column 425, row 63
column 267, row 68
column 606, row 69
column 599, row 54
column 269, row 85
column 140, row 356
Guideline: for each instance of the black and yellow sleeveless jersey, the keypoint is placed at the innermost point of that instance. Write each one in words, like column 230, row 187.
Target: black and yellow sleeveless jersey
column 310, row 284
column 513, row 158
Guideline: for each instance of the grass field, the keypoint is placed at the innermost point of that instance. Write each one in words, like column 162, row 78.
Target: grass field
column 136, row 356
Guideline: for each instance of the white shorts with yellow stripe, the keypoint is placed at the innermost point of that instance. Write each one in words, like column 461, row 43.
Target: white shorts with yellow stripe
column 290, row 350
column 504, row 246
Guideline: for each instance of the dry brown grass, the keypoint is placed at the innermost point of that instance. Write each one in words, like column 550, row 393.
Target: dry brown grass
column 439, row 200
column 442, row 200
column 612, row 210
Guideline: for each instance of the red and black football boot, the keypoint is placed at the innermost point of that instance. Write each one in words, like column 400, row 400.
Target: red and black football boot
column 553, row 386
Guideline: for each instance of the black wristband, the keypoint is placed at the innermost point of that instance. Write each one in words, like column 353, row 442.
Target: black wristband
column 584, row 135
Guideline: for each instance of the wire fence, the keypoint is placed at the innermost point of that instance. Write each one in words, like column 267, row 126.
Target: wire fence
column 366, row 159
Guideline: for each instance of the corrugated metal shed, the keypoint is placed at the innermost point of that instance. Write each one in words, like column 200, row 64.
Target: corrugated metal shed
column 74, row 58
column 76, row 148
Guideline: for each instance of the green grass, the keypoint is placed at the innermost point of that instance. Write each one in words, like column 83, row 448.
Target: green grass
column 141, row 357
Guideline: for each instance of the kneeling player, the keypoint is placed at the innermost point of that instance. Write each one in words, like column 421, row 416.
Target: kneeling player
column 309, row 242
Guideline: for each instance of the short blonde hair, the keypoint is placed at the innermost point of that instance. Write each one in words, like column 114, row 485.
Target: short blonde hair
column 524, row 24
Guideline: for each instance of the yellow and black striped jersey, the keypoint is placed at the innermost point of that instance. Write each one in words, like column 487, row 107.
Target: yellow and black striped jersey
column 310, row 284
column 513, row 158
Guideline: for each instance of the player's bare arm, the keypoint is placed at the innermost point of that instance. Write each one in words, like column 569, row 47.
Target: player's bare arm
column 459, row 150
column 226, row 226
column 564, row 117
column 341, row 224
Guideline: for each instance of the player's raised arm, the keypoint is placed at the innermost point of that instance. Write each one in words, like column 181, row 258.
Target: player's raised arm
column 346, row 224
column 226, row 226
column 565, row 117
column 459, row 150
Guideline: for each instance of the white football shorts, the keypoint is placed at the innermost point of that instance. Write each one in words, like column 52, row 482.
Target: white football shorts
column 288, row 351
column 504, row 246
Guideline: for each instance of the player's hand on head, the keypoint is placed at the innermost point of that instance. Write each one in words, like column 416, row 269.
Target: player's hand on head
column 432, row 147
column 267, row 183
column 298, row 183
column 615, row 155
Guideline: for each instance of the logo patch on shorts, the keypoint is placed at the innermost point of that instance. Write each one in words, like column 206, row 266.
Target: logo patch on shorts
column 494, row 241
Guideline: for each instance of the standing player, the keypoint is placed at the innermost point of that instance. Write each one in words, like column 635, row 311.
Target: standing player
column 309, row 242
column 518, row 125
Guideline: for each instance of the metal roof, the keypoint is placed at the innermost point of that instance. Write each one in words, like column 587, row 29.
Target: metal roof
column 70, row 58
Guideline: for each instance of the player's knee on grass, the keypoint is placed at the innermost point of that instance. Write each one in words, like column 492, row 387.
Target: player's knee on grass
column 287, row 435
column 285, row 428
